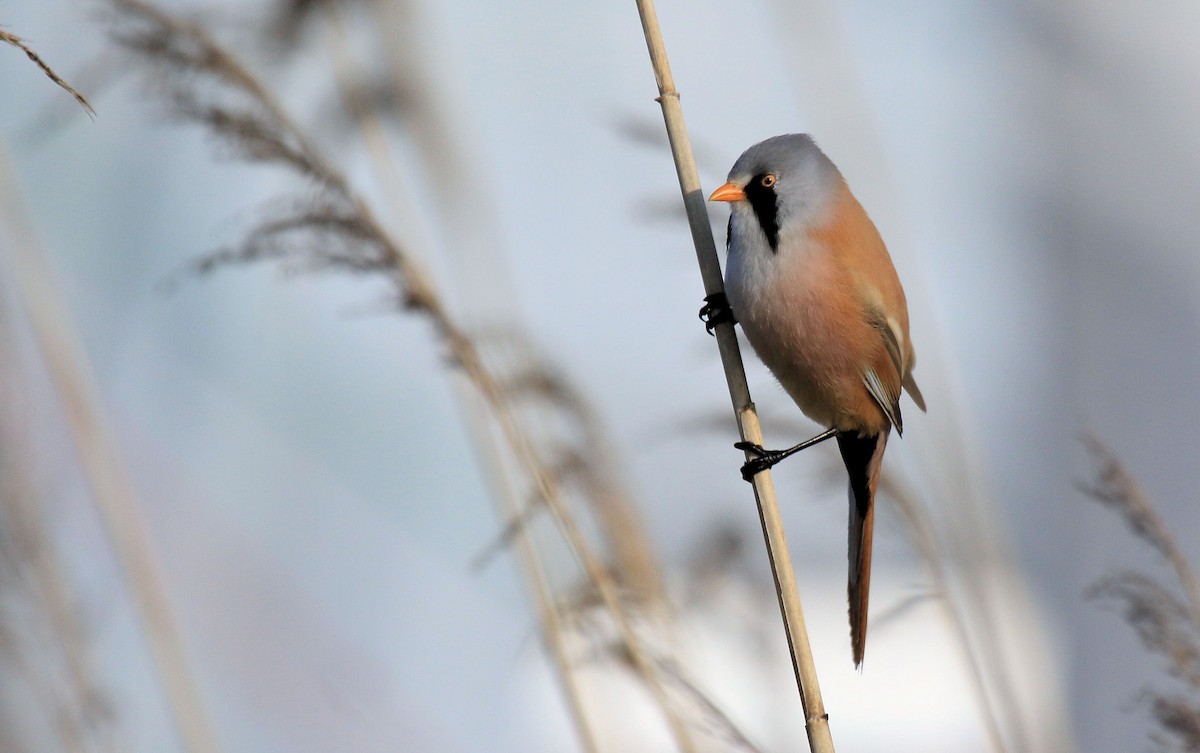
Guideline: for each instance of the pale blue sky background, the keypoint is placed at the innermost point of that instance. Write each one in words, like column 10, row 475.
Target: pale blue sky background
column 305, row 469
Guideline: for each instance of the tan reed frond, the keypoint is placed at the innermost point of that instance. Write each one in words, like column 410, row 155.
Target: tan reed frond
column 288, row 18
column 1159, row 618
column 209, row 86
column 582, row 454
column 329, row 228
column 1116, row 488
column 21, row 44
column 1167, row 626
column 710, row 713
column 1180, row 719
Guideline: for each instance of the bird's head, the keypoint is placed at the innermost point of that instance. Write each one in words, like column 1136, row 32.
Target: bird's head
column 782, row 185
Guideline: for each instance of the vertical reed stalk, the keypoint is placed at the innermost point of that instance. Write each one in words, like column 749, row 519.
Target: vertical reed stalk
column 597, row 574
column 487, row 449
column 929, row 548
column 263, row 131
column 111, row 489
column 815, row 719
column 434, row 121
column 489, row 452
column 79, row 713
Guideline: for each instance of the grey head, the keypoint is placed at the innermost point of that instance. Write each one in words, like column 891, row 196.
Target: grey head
column 787, row 181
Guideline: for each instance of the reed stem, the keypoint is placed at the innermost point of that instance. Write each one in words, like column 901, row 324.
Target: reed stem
column 112, row 491
column 487, row 448
column 815, row 719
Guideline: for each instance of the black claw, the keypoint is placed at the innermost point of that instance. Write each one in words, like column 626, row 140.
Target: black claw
column 765, row 459
column 716, row 311
column 757, row 449
column 752, row 468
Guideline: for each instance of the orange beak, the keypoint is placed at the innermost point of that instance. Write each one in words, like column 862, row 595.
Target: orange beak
column 728, row 192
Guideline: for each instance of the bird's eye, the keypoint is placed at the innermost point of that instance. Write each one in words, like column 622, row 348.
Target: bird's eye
column 767, row 181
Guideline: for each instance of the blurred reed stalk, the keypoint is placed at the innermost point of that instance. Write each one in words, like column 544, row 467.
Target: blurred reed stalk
column 434, row 121
column 554, row 633
column 815, row 719
column 28, row 547
column 28, row 556
column 923, row 538
column 486, row 445
column 104, row 470
column 331, row 228
column 33, row 577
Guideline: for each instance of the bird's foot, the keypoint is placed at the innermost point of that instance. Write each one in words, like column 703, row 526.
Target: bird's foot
column 716, row 311
column 763, row 459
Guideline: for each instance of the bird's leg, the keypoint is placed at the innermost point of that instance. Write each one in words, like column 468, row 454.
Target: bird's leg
column 716, row 311
column 766, row 458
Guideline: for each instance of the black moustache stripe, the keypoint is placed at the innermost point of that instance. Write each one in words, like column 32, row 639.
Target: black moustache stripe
column 766, row 209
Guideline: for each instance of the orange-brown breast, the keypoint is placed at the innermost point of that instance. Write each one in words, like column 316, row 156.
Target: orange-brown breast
column 814, row 328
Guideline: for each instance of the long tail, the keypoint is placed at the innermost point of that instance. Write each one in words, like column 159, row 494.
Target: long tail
column 863, row 457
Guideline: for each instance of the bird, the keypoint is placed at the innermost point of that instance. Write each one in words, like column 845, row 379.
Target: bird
column 811, row 282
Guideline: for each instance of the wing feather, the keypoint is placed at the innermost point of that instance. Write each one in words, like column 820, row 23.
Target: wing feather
column 884, row 396
column 893, row 343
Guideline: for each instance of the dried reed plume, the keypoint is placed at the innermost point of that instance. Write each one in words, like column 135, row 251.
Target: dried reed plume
column 1165, row 615
column 329, row 228
column 21, row 44
column 575, row 444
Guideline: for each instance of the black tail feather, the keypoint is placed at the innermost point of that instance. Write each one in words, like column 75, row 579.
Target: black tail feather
column 862, row 456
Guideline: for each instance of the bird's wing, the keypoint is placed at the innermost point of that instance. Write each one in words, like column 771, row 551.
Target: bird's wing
column 887, row 398
column 882, row 376
column 892, row 337
column 910, row 386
